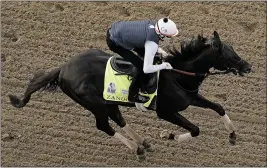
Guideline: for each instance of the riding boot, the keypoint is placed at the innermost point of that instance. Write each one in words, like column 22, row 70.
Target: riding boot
column 134, row 96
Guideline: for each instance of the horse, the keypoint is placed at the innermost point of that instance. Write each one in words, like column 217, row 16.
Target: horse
column 82, row 79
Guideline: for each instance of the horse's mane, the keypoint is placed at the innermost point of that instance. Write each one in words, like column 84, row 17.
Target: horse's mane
column 190, row 48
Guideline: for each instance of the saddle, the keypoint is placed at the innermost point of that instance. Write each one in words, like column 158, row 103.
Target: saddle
column 123, row 67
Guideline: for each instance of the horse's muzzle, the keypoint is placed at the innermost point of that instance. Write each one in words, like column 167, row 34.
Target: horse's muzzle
column 245, row 69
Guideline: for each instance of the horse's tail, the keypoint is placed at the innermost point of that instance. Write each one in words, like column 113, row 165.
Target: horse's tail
column 41, row 80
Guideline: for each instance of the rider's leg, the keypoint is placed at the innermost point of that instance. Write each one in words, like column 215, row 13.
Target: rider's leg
column 134, row 96
column 138, row 63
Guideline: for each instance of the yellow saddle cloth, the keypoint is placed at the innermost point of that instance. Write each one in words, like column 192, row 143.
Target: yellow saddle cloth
column 116, row 87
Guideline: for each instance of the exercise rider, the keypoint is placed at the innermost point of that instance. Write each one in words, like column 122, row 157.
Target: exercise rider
column 143, row 37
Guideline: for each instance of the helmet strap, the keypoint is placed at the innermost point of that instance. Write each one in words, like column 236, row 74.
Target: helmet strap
column 161, row 37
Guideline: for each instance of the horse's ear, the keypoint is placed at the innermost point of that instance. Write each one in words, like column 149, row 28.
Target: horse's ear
column 216, row 35
column 217, row 40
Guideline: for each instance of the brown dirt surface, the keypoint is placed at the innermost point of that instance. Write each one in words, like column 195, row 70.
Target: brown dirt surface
column 52, row 130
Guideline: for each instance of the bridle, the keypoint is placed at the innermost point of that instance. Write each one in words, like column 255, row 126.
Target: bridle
column 228, row 70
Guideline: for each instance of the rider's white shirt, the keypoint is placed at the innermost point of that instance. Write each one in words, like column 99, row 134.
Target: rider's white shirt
column 150, row 50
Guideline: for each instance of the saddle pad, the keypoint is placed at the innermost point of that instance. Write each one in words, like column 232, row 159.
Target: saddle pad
column 116, row 87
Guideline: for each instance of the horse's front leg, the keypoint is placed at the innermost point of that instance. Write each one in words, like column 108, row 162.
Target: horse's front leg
column 201, row 101
column 179, row 120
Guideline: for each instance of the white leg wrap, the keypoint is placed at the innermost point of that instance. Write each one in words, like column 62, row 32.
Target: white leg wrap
column 183, row 137
column 132, row 145
column 228, row 124
column 137, row 138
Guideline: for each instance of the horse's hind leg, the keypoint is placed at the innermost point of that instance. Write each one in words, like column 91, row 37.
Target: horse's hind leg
column 201, row 101
column 115, row 114
column 100, row 112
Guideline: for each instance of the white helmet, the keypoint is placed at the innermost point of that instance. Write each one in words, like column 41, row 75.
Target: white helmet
column 166, row 27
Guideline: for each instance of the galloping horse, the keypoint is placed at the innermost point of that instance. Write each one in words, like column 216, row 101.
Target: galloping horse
column 82, row 79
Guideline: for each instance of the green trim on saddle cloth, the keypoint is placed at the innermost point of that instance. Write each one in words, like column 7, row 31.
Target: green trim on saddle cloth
column 116, row 87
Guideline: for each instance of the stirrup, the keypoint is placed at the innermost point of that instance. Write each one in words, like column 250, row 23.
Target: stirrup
column 139, row 99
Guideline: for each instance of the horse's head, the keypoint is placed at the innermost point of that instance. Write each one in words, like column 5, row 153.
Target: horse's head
column 227, row 58
column 199, row 54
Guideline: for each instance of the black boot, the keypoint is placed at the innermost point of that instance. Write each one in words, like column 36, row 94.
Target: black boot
column 134, row 89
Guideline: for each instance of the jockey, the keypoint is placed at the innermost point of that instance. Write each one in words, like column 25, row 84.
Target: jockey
column 143, row 37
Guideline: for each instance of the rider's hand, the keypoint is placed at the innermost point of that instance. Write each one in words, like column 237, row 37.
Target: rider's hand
column 164, row 54
column 167, row 65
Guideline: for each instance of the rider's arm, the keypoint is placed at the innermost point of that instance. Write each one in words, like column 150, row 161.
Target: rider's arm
column 150, row 50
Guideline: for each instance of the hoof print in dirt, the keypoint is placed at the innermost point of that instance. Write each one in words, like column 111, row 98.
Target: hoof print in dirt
column 56, row 7
column 11, row 36
column 102, row 3
column 124, row 11
column 59, row 7
column 8, row 137
column 14, row 39
column 164, row 134
column 249, row 26
column 3, row 58
column 163, row 11
column 222, row 96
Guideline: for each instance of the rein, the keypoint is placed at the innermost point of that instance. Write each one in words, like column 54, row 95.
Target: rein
column 202, row 74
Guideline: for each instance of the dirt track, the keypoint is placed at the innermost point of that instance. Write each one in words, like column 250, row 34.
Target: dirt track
column 52, row 130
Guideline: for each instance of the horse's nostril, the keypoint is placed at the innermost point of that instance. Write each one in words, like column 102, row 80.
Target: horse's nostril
column 248, row 69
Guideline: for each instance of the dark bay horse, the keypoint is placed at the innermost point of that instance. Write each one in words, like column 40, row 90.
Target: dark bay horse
column 82, row 79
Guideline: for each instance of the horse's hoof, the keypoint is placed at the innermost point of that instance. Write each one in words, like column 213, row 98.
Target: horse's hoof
column 15, row 101
column 148, row 147
column 164, row 134
column 232, row 138
column 140, row 150
column 141, row 154
column 171, row 136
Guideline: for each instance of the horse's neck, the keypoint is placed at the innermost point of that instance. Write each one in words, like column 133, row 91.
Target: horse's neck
column 201, row 64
